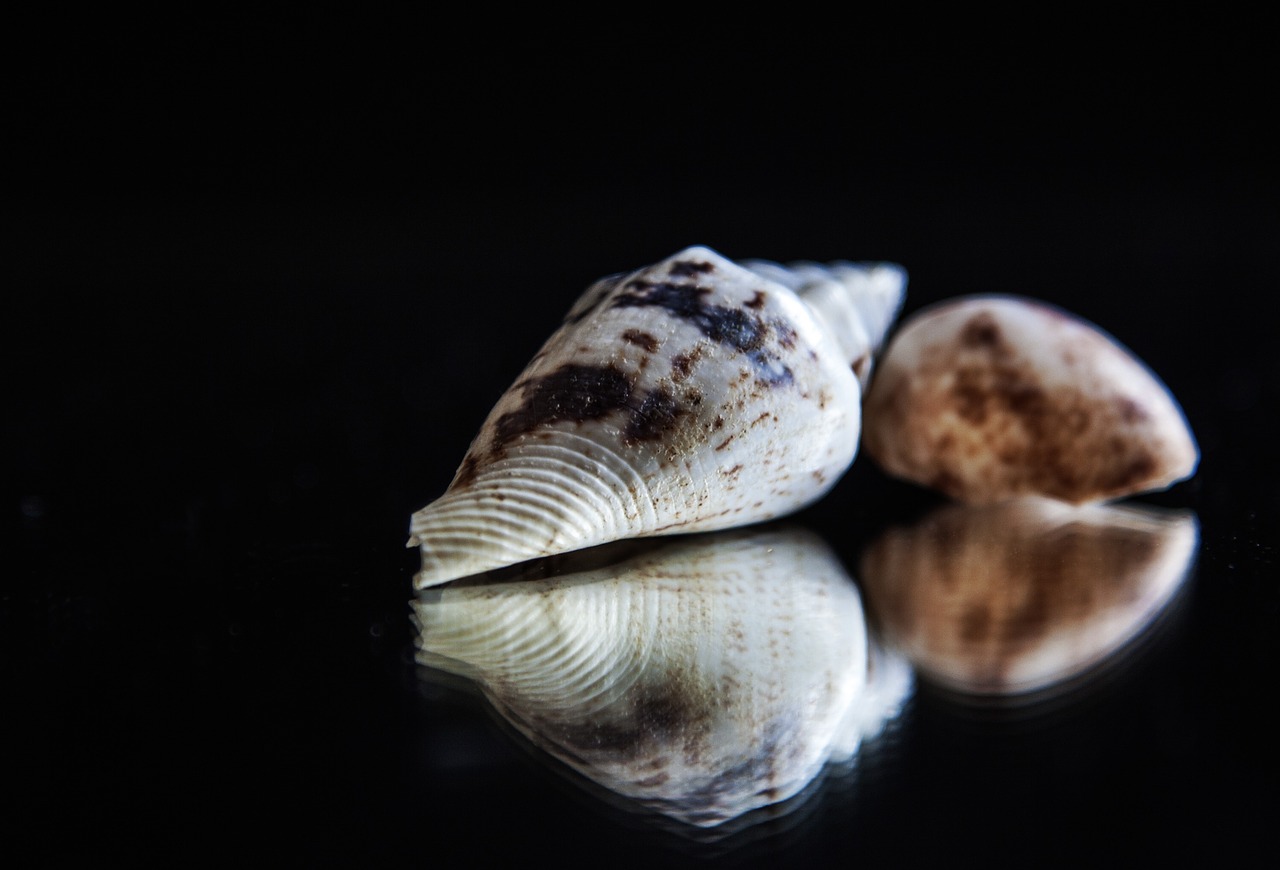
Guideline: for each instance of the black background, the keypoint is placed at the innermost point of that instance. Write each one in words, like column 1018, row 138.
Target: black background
column 264, row 279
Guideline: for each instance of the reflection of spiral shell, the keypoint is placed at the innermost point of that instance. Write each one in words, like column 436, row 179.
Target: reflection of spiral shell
column 1022, row 595
column 702, row 678
column 664, row 404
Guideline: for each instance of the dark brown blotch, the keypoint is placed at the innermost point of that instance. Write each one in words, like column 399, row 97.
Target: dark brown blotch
column 640, row 338
column 756, row 302
column 981, row 331
column 467, row 471
column 683, row 363
column 732, row 327
column 691, row 268
column 661, row 713
column 574, row 392
column 657, row 415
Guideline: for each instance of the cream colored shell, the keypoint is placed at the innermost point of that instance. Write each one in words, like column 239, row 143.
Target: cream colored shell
column 987, row 398
column 691, row 395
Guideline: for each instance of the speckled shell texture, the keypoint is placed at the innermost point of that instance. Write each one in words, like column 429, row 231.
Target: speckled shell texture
column 703, row 678
column 691, row 395
column 1020, row 596
column 992, row 397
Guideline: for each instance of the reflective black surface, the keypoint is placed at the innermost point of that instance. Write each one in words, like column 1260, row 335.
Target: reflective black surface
column 262, row 292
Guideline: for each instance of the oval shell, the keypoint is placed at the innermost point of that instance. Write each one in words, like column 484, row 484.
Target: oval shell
column 1020, row 596
column 987, row 398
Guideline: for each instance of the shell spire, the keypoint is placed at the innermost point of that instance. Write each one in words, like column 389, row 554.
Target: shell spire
column 858, row 302
column 690, row 395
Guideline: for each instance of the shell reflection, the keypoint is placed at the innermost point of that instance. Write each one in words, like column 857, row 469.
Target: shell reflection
column 1024, row 595
column 701, row 678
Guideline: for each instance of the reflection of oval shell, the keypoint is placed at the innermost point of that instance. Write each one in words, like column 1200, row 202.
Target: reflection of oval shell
column 702, row 678
column 991, row 397
column 1018, row 596
column 691, row 395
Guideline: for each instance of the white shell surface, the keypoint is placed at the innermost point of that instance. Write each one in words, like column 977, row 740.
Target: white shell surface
column 857, row 301
column 987, row 398
column 1020, row 596
column 691, row 395
column 702, row 678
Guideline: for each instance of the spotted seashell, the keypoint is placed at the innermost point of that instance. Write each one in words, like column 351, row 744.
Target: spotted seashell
column 701, row 677
column 691, row 395
column 1017, row 597
column 992, row 397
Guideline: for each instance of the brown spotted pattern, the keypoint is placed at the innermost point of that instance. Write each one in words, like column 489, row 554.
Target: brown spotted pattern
column 990, row 398
column 1017, row 596
column 690, row 395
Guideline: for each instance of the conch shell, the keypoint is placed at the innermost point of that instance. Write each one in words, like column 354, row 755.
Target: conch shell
column 1025, row 595
column 691, row 395
column 702, row 678
column 987, row 398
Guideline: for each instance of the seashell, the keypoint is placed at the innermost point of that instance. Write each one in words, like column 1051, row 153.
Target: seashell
column 1027, row 594
column 701, row 677
column 691, row 395
column 992, row 397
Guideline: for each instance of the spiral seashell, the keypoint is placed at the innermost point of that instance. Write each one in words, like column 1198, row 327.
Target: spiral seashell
column 1017, row 597
column 702, row 678
column 987, row 398
column 691, row 395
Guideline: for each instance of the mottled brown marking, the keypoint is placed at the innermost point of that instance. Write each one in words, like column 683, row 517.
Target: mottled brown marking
column 662, row 711
column 573, row 392
column 718, row 423
column 734, row 328
column 975, row 623
column 725, row 443
column 732, row 471
column 1131, row 412
column 682, row 365
column 467, row 471
column 981, row 331
column 642, row 339
column 657, row 415
column 756, row 302
column 691, row 268
column 970, row 396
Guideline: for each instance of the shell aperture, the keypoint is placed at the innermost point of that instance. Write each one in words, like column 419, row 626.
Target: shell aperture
column 702, row 677
column 691, row 395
